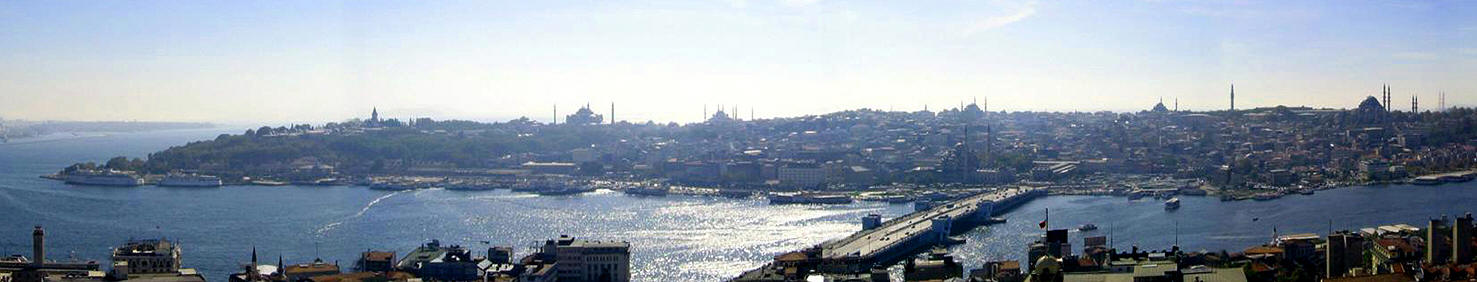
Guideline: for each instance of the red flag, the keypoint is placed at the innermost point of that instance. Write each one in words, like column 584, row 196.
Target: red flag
column 1042, row 224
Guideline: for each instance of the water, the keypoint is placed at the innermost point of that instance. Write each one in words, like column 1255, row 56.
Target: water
column 674, row 238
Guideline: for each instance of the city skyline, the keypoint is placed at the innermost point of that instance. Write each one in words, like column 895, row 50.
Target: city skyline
column 314, row 62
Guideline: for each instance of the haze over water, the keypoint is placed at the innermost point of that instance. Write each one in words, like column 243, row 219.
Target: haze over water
column 673, row 238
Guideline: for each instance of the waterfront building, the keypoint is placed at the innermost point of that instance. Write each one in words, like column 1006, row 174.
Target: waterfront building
column 802, row 175
column 153, row 256
column 590, row 260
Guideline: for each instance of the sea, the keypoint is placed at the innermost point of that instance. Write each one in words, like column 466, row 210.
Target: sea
column 673, row 238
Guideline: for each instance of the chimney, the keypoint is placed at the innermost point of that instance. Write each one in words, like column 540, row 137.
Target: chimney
column 38, row 245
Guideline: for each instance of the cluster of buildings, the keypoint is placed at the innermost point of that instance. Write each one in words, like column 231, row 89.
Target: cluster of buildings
column 563, row 259
column 1267, row 148
column 160, row 260
column 152, row 260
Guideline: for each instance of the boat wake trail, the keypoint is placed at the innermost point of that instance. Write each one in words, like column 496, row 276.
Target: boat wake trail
column 331, row 226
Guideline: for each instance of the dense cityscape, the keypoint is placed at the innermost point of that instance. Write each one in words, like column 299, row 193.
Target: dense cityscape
column 738, row 141
column 959, row 168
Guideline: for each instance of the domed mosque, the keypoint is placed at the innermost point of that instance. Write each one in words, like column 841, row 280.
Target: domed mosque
column 1370, row 111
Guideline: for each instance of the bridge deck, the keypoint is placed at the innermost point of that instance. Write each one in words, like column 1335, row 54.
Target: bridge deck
column 867, row 243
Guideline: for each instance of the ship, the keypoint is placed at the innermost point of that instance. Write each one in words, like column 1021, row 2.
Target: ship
column 646, row 191
column 568, row 190
column 390, row 186
column 1426, row 180
column 189, row 180
column 808, row 198
column 1087, row 227
column 103, row 178
column 1172, row 204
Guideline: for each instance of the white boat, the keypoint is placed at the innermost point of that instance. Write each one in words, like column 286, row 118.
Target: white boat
column 1172, row 203
column 189, row 180
column 806, row 198
column 103, row 178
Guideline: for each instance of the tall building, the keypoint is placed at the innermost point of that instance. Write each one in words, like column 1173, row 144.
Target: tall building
column 1345, row 251
column 589, row 260
column 1436, row 241
column 1461, row 239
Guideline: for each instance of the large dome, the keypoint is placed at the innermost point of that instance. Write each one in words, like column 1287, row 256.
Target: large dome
column 1371, row 104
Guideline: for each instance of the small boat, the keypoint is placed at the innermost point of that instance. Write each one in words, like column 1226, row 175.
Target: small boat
column 1172, row 204
column 1087, row 227
column 1265, row 196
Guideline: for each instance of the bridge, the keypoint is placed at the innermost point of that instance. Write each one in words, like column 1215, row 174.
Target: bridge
column 888, row 242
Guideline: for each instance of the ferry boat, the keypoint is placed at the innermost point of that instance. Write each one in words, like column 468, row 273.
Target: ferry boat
column 1087, row 227
column 807, row 198
column 564, row 191
column 1172, row 203
column 1455, row 178
column 1426, row 180
column 737, row 194
column 103, row 178
column 189, row 180
column 390, row 186
column 646, row 191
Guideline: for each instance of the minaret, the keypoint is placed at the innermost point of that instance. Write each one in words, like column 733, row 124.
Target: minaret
column 556, row 114
column 612, row 112
column 1233, row 97
column 1176, row 104
column 374, row 114
column 253, row 258
column 38, row 246
column 1414, row 104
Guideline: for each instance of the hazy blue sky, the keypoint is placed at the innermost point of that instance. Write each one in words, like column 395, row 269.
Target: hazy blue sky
column 235, row 61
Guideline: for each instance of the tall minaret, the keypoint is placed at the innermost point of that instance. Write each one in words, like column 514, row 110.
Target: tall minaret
column 556, row 114
column 612, row 112
column 1414, row 104
column 1176, row 104
column 1233, row 97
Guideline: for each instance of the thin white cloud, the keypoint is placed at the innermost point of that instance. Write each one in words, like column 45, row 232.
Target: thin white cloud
column 1416, row 56
column 1025, row 11
column 797, row 3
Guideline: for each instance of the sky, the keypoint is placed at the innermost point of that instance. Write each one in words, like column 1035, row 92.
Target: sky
column 319, row 61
